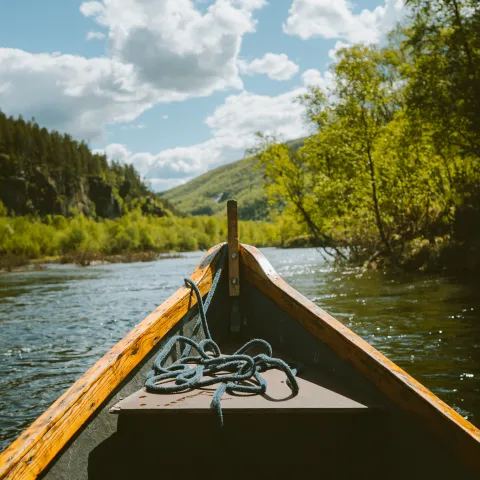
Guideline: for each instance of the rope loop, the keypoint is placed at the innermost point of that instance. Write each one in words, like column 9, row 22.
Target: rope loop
column 236, row 373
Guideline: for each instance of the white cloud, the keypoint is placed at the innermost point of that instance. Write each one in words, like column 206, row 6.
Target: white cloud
column 165, row 117
column 313, row 77
column 277, row 67
column 240, row 116
column 160, row 184
column 159, row 51
column 95, row 36
column 91, row 8
column 173, row 45
column 333, row 53
column 233, row 125
column 72, row 93
column 335, row 19
column 133, row 126
column 116, row 153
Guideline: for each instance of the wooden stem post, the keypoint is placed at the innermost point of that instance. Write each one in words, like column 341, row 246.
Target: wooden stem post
column 233, row 250
column 234, row 268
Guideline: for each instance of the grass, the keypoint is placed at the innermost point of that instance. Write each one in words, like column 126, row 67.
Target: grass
column 208, row 194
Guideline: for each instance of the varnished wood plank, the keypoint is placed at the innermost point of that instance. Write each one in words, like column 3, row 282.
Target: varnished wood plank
column 31, row 453
column 233, row 250
column 415, row 399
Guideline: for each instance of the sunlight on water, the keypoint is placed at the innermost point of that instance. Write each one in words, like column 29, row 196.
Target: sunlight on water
column 56, row 323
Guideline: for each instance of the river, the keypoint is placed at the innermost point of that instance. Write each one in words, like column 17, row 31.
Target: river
column 57, row 322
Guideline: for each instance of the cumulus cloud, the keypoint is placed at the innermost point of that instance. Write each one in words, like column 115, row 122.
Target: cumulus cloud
column 71, row 93
column 233, row 125
column 240, row 116
column 277, row 67
column 116, row 153
column 335, row 19
column 175, row 46
column 314, row 78
column 95, row 36
column 333, row 53
column 159, row 51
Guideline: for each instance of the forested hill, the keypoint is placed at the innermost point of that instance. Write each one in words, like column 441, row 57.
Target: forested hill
column 44, row 172
column 208, row 193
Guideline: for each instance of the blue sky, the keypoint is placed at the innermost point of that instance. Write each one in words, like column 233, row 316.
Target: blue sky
column 176, row 87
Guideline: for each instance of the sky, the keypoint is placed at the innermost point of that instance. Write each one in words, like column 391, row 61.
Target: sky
column 176, row 87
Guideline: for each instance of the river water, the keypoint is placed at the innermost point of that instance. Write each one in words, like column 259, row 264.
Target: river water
column 57, row 322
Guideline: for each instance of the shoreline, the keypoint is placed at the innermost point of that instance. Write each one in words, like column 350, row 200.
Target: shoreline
column 428, row 266
column 39, row 264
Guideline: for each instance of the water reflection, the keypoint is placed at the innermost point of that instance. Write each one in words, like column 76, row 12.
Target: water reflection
column 56, row 323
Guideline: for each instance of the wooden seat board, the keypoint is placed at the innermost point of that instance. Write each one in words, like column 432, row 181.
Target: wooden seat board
column 311, row 397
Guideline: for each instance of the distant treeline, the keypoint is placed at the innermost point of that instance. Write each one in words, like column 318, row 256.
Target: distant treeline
column 47, row 173
column 392, row 175
column 81, row 240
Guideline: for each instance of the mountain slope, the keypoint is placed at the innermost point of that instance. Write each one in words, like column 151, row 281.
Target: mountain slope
column 208, row 193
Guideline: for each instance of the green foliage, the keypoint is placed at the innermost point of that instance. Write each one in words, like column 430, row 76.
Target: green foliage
column 3, row 210
column 393, row 172
column 443, row 42
column 46, row 173
column 83, row 239
column 208, row 194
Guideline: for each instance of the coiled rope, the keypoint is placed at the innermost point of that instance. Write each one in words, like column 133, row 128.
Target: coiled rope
column 236, row 373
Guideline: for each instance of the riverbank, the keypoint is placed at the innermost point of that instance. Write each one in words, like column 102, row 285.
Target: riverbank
column 133, row 237
column 84, row 259
column 28, row 243
column 439, row 258
column 440, row 255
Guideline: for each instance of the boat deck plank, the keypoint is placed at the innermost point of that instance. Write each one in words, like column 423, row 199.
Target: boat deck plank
column 311, row 397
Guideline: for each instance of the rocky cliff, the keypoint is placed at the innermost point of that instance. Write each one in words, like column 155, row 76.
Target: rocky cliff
column 38, row 193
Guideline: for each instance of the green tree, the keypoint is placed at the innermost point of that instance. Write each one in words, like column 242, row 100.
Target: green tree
column 443, row 41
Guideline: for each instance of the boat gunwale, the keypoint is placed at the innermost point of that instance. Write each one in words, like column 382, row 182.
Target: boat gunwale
column 33, row 450
column 401, row 388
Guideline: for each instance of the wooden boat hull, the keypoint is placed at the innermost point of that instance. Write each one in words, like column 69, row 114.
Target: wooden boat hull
column 411, row 433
